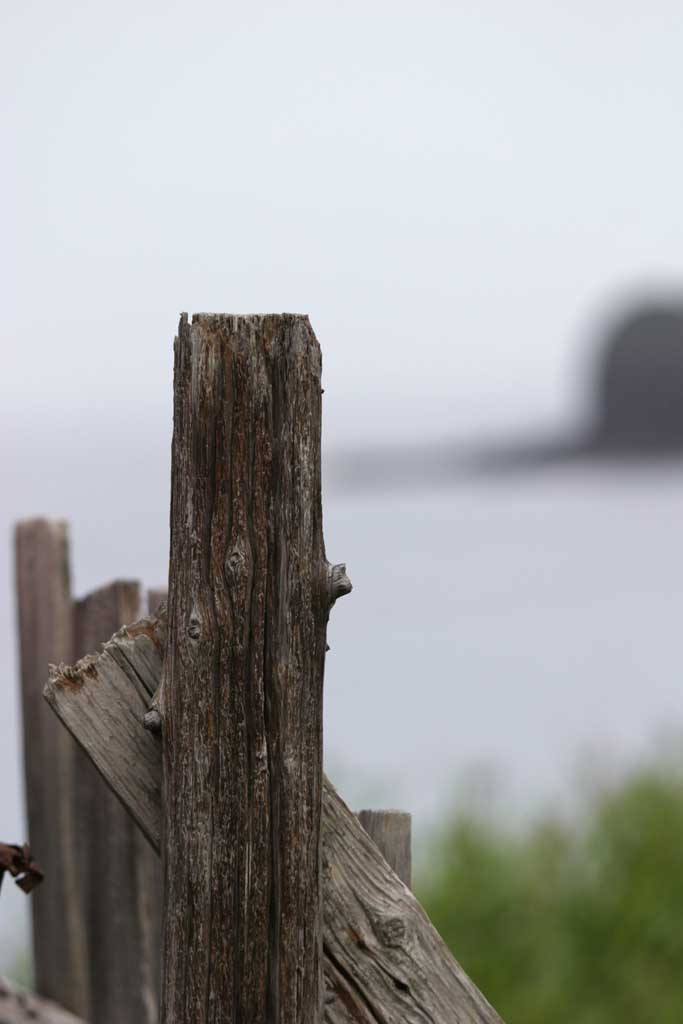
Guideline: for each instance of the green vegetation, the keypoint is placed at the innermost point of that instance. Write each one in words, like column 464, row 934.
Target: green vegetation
column 575, row 921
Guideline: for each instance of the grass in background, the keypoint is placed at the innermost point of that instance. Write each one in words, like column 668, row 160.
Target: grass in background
column 575, row 920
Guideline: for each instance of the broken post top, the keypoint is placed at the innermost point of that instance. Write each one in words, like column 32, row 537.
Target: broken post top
column 231, row 320
column 268, row 330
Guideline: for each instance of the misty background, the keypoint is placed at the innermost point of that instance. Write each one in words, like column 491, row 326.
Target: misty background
column 469, row 201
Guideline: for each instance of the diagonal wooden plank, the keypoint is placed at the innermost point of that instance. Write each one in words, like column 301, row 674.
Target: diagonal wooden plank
column 102, row 701
column 384, row 962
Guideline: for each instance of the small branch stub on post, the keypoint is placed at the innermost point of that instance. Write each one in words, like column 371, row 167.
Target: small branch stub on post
column 152, row 721
column 338, row 582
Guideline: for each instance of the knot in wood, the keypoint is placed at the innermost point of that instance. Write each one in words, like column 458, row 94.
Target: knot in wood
column 338, row 582
column 392, row 930
column 152, row 722
column 236, row 564
column 194, row 626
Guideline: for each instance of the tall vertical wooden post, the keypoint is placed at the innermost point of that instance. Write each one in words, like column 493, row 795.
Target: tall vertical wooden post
column 120, row 880
column 241, row 701
column 45, row 635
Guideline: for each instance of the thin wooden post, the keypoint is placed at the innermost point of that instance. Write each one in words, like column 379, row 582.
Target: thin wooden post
column 45, row 635
column 241, row 701
column 120, row 877
column 391, row 833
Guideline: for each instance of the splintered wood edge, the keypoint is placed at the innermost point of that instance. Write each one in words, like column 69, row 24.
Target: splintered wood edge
column 102, row 701
column 68, row 676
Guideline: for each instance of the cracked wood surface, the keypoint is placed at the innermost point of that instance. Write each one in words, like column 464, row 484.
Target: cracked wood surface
column 384, row 962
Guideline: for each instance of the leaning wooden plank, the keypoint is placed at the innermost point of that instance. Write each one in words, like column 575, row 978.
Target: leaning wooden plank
column 383, row 960
column 119, row 874
column 45, row 635
column 20, row 1007
column 102, row 701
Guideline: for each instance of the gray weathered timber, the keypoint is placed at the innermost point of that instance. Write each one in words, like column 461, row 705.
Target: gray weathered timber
column 365, row 985
column 102, row 701
column 241, row 700
column 45, row 635
column 391, row 831
column 384, row 960
column 20, row 1007
column 120, row 877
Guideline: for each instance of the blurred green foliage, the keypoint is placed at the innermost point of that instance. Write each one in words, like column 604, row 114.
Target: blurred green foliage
column 577, row 920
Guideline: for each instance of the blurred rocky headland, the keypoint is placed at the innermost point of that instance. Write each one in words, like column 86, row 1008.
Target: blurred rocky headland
column 635, row 412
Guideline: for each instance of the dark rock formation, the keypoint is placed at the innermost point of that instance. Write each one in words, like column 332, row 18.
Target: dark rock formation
column 640, row 382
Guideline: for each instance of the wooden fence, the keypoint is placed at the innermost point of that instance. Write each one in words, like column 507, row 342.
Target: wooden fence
column 96, row 922
column 204, row 718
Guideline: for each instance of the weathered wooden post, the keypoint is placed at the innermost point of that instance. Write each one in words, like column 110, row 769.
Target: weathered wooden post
column 119, row 875
column 391, row 832
column 45, row 635
column 97, row 919
column 241, row 702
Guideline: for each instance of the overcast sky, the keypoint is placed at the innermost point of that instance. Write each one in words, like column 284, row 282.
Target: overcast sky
column 455, row 192
column 460, row 195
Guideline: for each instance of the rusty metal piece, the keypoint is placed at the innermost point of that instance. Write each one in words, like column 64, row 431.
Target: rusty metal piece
column 21, row 866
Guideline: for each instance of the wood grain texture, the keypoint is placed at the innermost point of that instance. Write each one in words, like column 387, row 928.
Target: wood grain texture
column 102, row 701
column 391, row 832
column 376, row 971
column 241, row 703
column 20, row 1007
column 120, row 877
column 384, row 959
column 45, row 635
